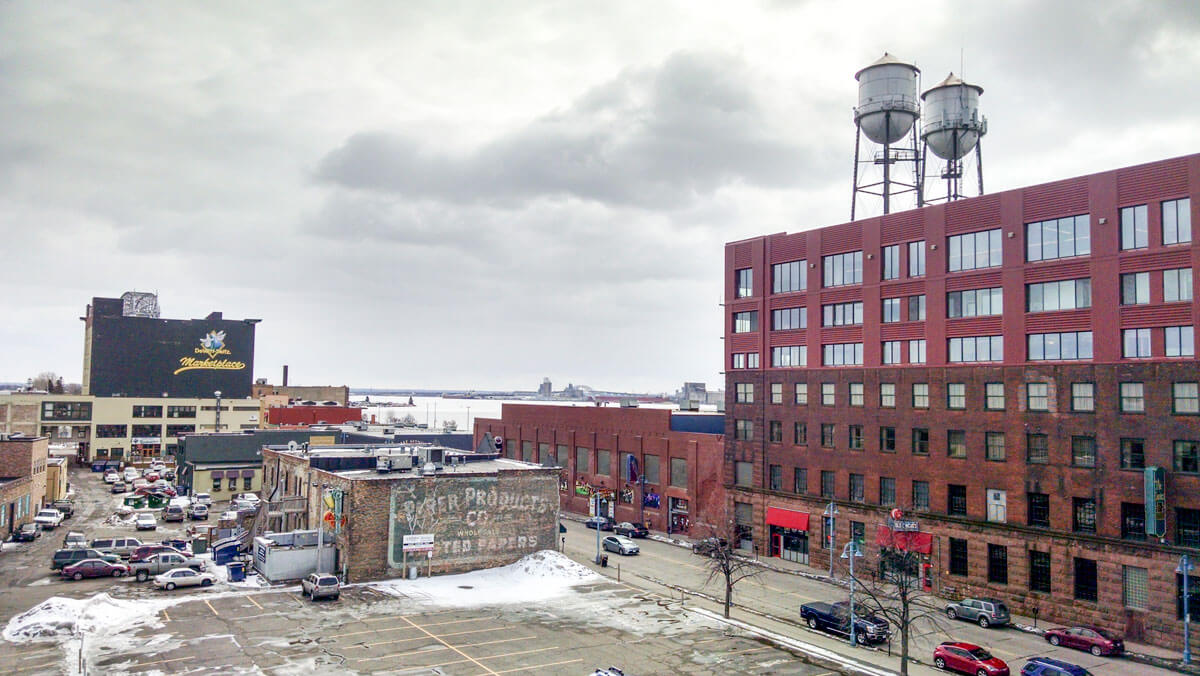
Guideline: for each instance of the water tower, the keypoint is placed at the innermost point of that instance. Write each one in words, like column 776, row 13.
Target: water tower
column 887, row 112
column 952, row 128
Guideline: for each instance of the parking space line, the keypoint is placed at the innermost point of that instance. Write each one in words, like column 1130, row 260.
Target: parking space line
column 539, row 666
column 426, row 650
column 210, row 607
column 476, row 662
column 166, row 616
column 175, row 659
column 251, row 600
column 394, row 617
column 414, row 638
column 39, row 666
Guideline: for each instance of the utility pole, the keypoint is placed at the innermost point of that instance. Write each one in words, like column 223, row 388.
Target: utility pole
column 831, row 518
column 851, row 552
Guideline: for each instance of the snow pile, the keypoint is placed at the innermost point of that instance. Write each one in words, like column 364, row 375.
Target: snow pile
column 536, row 577
column 59, row 616
column 118, row 520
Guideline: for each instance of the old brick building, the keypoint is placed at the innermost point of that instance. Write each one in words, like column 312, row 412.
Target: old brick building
column 483, row 511
column 679, row 455
column 22, row 480
column 1008, row 369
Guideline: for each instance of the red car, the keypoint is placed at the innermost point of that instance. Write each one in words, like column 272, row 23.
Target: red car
column 968, row 659
column 1092, row 639
column 94, row 568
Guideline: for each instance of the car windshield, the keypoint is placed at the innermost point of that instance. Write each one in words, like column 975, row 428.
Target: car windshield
column 981, row 654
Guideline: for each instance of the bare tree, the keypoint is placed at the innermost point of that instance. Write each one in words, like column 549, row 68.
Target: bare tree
column 724, row 562
column 46, row 381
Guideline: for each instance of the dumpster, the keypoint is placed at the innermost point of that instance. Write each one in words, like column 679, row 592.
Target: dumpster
column 156, row 501
column 135, row 501
column 604, row 561
column 237, row 571
column 199, row 546
column 98, row 465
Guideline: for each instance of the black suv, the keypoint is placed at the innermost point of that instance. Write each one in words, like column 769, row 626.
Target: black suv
column 65, row 557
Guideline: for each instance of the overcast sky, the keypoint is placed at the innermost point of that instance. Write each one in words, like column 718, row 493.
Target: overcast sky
column 480, row 194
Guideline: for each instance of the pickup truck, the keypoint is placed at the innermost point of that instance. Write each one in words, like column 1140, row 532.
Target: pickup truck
column 48, row 518
column 835, row 618
column 161, row 563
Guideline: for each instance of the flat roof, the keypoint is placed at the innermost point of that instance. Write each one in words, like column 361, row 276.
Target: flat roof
column 468, row 469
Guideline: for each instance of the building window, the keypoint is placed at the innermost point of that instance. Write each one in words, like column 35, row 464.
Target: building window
column 743, row 473
column 887, row 491
column 150, row 431
column 855, row 437
column 958, row 557
column 216, row 487
column 891, row 262
column 1067, row 346
column 857, row 488
column 745, row 282
column 1038, row 512
column 920, row 395
column 956, row 500
column 1085, row 579
column 111, row 431
column 842, row 354
column 1058, row 238
column 800, row 432
column 180, row 430
column 997, row 564
column 956, row 443
column 775, row 431
column 975, row 250
column 776, row 477
column 1177, row 221
column 743, row 430
column 887, row 439
column 827, row 483
column 1135, row 343
column 790, row 276
column 1083, row 451
column 1180, row 341
column 976, row 349
column 181, row 411
column 842, row 314
column 247, row 483
column 1187, row 457
column 887, row 395
column 827, row 435
column 916, row 351
column 891, row 310
column 802, row 394
column 651, row 469
column 776, row 393
column 583, row 460
column 920, row 441
column 956, row 396
column 916, row 259
column 1187, row 398
column 975, row 303
column 828, row 394
column 1135, row 233
column 1039, row 571
column 1135, row 588
column 1133, row 454
column 1187, row 528
column 744, row 393
column 788, row 319
column 66, row 410
column 856, row 394
column 1084, row 515
column 1038, row 396
column 1177, row 285
column 891, row 352
column 147, row 411
column 1037, row 448
column 745, row 322
column 1083, row 397
column 1135, row 288
column 1067, row 294
column 916, row 308
column 920, row 495
column 994, row 446
column 1133, row 521
column 1132, row 398
column 842, row 269
column 800, row 480
column 993, row 396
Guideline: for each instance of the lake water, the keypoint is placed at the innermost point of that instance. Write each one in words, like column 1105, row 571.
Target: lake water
column 435, row 411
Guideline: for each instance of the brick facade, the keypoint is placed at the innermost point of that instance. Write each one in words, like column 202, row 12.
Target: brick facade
column 26, row 458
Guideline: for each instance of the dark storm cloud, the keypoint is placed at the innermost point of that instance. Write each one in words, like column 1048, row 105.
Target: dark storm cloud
column 652, row 138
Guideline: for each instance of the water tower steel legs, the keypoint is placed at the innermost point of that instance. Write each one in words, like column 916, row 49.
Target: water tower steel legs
column 854, row 186
column 979, row 163
column 887, row 163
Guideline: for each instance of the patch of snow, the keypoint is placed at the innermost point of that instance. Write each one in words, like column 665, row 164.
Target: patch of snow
column 10, row 546
column 118, row 520
column 536, row 577
column 41, row 582
column 58, row 616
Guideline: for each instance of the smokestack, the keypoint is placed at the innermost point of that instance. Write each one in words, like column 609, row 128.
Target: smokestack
column 285, row 375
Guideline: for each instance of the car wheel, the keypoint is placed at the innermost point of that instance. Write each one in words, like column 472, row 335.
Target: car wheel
column 118, row 572
column 812, row 623
column 983, row 621
column 939, row 663
column 860, row 639
column 170, row 586
column 205, row 583
column 981, row 672
column 951, row 614
column 142, row 576
column 1097, row 651
column 1054, row 640
column 77, row 576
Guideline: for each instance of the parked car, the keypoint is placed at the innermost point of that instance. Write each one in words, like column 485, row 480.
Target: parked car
column 620, row 544
column 122, row 547
column 179, row 545
column 130, row 474
column 243, row 506
column 835, row 618
column 601, row 522
column 145, row 521
column 65, row 507
column 162, row 562
column 1048, row 666
column 111, row 477
column 75, row 540
column 183, row 577
column 1095, row 640
column 968, row 658
column 248, row 497
column 48, row 519
column 709, row 546
column 987, row 612
column 28, row 532
column 168, row 474
column 202, row 499
column 147, row 550
column 198, row 512
column 321, row 586
column 66, row 557
column 94, row 568
column 151, row 475
column 173, row 513
column 633, row 530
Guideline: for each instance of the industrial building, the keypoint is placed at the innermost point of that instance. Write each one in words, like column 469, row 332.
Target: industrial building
column 23, row 462
column 1015, row 371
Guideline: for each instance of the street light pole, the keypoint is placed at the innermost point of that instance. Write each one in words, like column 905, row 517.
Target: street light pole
column 831, row 518
column 1185, row 568
column 596, row 512
column 217, row 423
column 851, row 552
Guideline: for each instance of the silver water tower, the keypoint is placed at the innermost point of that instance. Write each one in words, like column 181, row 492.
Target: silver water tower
column 951, row 128
column 887, row 112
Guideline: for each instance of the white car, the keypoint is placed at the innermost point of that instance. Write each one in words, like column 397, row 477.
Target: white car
column 48, row 519
column 111, row 477
column 183, row 577
column 130, row 474
column 145, row 521
column 202, row 499
column 251, row 498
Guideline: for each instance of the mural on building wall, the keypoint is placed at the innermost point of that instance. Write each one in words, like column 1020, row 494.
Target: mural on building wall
column 470, row 518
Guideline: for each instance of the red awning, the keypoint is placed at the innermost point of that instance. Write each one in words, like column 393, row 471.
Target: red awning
column 786, row 518
column 905, row 541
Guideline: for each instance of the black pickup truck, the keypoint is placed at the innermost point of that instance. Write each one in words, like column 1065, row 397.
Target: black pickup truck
column 835, row 618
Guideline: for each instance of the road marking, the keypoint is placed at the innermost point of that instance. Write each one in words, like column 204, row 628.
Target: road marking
column 415, row 638
column 251, row 600
column 393, row 617
column 426, row 650
column 538, row 666
column 210, row 607
column 44, row 664
column 166, row 616
column 476, row 662
column 176, row 659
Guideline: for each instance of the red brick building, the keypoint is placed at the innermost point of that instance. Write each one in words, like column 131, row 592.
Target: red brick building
column 22, row 480
column 680, row 455
column 1005, row 369
column 313, row 415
